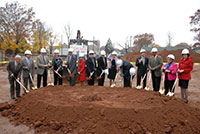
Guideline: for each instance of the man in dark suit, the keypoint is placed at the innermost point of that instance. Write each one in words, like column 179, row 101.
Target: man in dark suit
column 155, row 65
column 28, row 69
column 102, row 65
column 71, row 67
column 14, row 69
column 142, row 64
column 91, row 67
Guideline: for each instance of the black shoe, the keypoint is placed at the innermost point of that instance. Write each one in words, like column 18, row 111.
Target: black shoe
column 12, row 98
column 186, row 101
column 19, row 96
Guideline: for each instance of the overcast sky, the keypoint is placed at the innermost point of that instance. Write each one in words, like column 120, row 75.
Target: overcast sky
column 118, row 19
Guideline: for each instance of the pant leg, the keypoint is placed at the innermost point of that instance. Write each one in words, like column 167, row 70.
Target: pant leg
column 39, row 80
column 127, row 82
column 60, row 79
column 186, row 94
column 171, row 85
column 91, row 82
column 25, row 80
column 101, row 81
column 183, row 93
column 157, row 81
column 30, row 83
column 72, row 81
column 144, row 81
column 153, row 80
column 167, row 86
column 12, row 94
column 17, row 89
column 138, row 79
column 45, row 78
column 55, row 78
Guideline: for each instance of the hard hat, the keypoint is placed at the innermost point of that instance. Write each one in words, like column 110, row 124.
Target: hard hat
column 185, row 51
column 119, row 63
column 43, row 50
column 81, row 55
column 28, row 52
column 103, row 52
column 142, row 50
column 114, row 53
column 154, row 50
column 56, row 51
column 132, row 71
column 71, row 50
column 91, row 52
column 171, row 56
column 106, row 71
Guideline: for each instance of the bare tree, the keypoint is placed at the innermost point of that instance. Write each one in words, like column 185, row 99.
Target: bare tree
column 68, row 32
column 169, row 39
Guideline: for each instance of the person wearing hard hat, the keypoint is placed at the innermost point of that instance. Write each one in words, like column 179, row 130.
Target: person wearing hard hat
column 142, row 64
column 184, row 70
column 81, row 69
column 14, row 69
column 28, row 69
column 170, row 71
column 125, row 67
column 112, row 66
column 42, row 67
column 57, row 67
column 91, row 67
column 71, row 67
column 155, row 65
column 102, row 65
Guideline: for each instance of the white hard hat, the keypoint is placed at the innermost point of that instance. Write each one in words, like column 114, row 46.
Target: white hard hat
column 28, row 52
column 70, row 50
column 132, row 71
column 185, row 51
column 171, row 56
column 154, row 50
column 119, row 63
column 106, row 71
column 142, row 50
column 81, row 55
column 114, row 53
column 103, row 52
column 56, row 51
column 43, row 50
column 91, row 52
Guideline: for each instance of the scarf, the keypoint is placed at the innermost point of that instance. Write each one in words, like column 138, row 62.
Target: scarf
column 168, row 65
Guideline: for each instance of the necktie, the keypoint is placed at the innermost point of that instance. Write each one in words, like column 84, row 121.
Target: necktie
column 44, row 60
column 28, row 62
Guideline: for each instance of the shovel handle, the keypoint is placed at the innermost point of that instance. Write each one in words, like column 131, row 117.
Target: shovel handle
column 20, row 84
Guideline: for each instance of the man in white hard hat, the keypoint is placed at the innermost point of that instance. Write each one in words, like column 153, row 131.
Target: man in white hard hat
column 42, row 68
column 125, row 67
column 155, row 65
column 28, row 69
column 102, row 65
column 14, row 69
column 57, row 67
column 71, row 67
column 142, row 64
column 91, row 67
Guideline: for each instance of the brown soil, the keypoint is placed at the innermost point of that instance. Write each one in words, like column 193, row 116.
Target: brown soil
column 102, row 110
column 164, row 53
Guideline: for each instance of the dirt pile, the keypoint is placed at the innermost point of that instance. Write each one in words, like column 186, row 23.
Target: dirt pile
column 102, row 110
column 177, row 53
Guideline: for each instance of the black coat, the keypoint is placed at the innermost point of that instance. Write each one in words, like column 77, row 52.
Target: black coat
column 90, row 66
column 11, row 69
column 142, row 69
column 101, row 64
column 125, row 69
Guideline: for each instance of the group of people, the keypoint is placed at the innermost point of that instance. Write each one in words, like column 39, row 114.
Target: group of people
column 91, row 69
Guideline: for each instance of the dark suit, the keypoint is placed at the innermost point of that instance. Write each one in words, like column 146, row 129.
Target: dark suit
column 125, row 73
column 16, row 71
column 72, row 66
column 57, row 65
column 142, row 70
column 91, row 66
column 102, row 65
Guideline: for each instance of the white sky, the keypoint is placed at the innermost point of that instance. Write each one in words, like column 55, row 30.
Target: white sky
column 118, row 19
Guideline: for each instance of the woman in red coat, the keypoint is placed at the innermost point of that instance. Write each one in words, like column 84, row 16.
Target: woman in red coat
column 81, row 69
column 185, row 67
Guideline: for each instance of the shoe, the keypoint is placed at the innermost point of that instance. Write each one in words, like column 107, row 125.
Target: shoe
column 186, row 101
column 19, row 96
column 12, row 98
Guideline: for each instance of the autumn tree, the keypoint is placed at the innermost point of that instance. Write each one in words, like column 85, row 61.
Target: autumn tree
column 143, row 40
column 68, row 32
column 109, row 46
column 195, row 23
column 16, row 24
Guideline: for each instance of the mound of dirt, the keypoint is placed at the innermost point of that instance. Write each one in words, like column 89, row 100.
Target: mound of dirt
column 164, row 53
column 104, row 110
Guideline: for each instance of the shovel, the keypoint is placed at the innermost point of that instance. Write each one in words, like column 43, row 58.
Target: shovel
column 140, row 86
column 89, row 78
column 148, row 82
column 34, row 87
column 100, row 77
column 57, row 73
column 162, row 90
column 113, row 85
column 50, row 83
column 21, row 84
column 170, row 93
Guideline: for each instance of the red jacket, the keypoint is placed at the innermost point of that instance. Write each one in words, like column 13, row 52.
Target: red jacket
column 82, row 70
column 187, row 66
